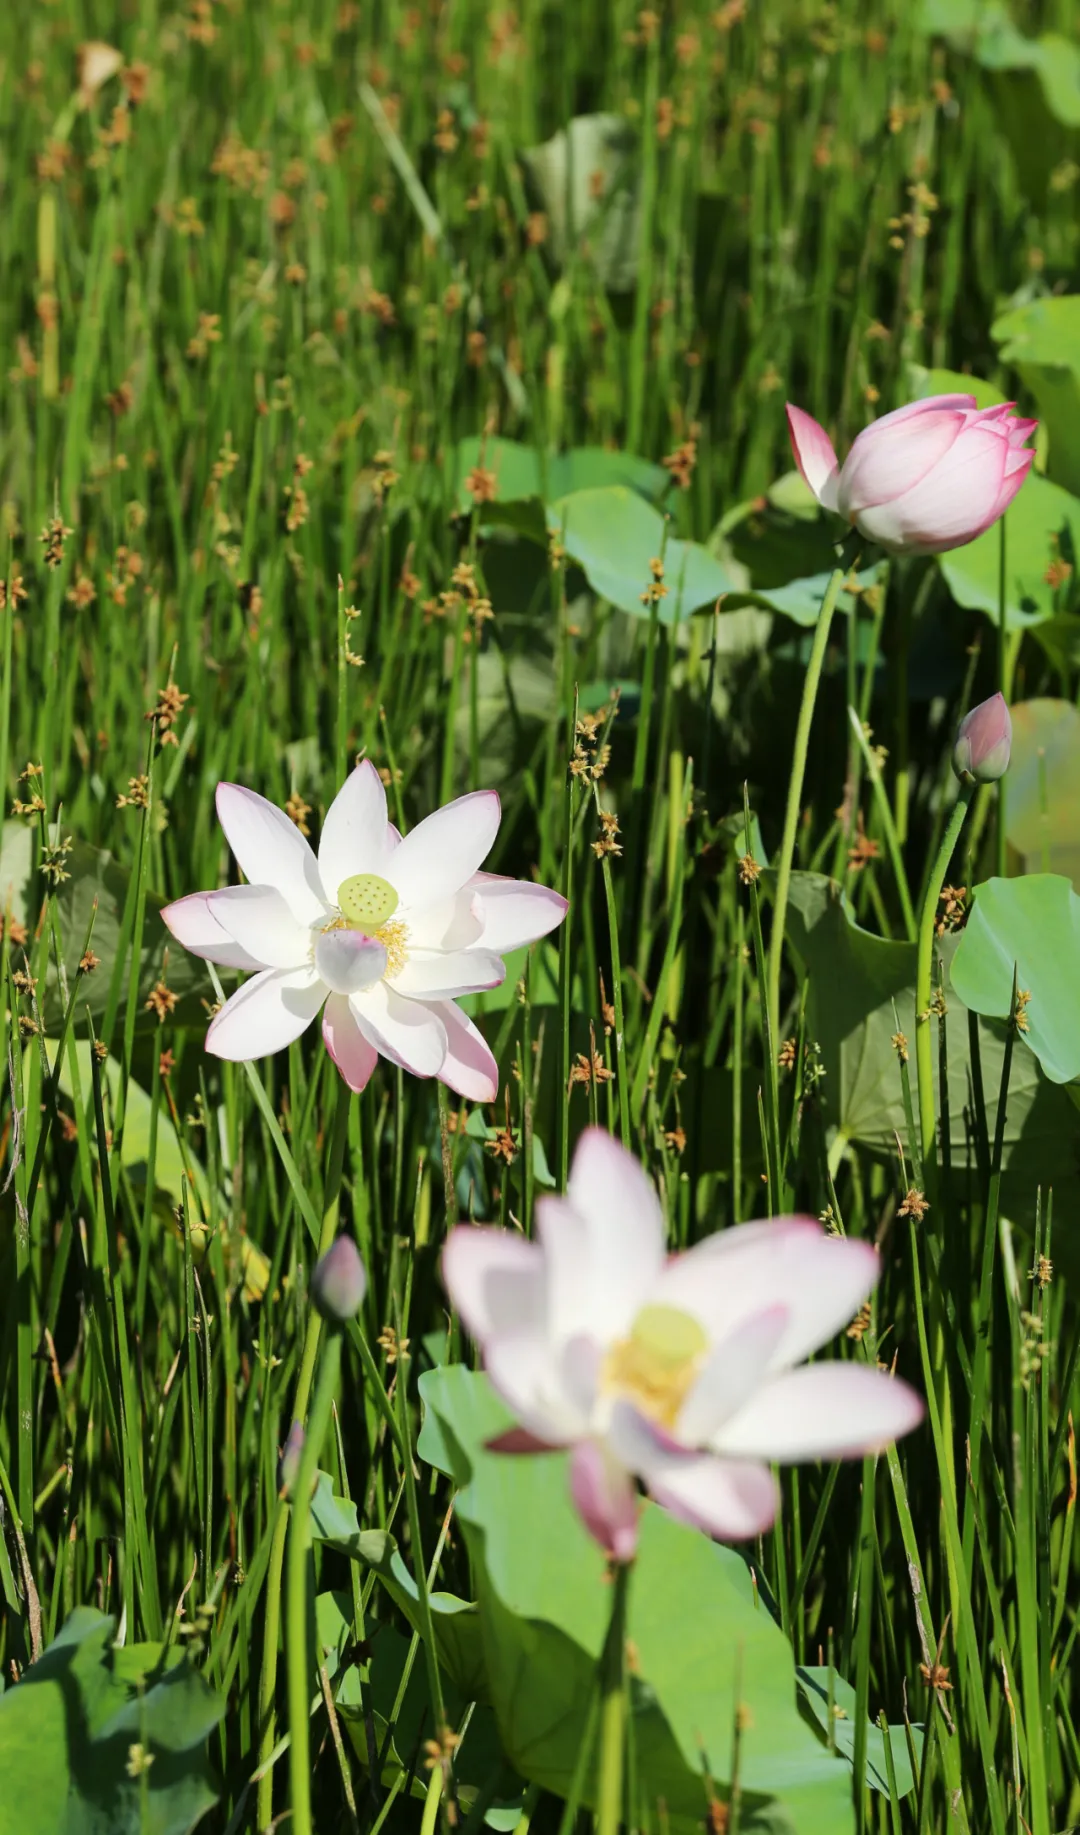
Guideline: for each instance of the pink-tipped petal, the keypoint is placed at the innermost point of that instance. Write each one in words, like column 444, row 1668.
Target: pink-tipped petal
column 608, row 1235
column 469, row 1068
column 1017, row 466
column 952, row 504
column 444, row 850
column 443, row 974
column 930, row 404
column 515, row 912
column 192, row 923
column 261, row 922
column 888, row 461
column 820, row 1280
column 345, row 1042
column 271, row 851
column 266, row 1014
column 729, row 1499
column 495, row 1280
column 814, row 455
column 407, row 1032
column 354, row 835
column 605, row 1498
column 821, row 1411
column 520, row 1440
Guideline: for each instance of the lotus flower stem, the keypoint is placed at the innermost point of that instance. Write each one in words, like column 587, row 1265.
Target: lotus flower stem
column 924, row 970
column 613, row 1709
column 296, row 1591
column 268, row 1676
column 795, row 790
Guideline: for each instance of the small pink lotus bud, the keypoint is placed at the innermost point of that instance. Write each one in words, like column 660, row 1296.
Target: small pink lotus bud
column 339, row 1283
column 983, row 742
column 289, row 1463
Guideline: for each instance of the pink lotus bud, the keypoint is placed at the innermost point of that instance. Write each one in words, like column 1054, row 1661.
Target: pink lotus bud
column 983, row 742
column 923, row 479
column 339, row 1283
column 289, row 1463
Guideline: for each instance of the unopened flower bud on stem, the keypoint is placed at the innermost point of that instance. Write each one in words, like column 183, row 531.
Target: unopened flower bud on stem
column 984, row 742
column 339, row 1282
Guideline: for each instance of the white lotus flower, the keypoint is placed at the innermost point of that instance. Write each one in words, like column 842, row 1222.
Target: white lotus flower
column 676, row 1371
column 378, row 933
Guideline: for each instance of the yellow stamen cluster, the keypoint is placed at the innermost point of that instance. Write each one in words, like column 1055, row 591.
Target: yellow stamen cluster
column 657, row 1365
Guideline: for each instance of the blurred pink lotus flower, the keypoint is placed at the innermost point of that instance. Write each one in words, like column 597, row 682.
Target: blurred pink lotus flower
column 678, row 1371
column 378, row 933
column 923, row 479
column 984, row 742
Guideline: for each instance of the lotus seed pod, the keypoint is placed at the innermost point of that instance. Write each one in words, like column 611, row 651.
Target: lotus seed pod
column 366, row 900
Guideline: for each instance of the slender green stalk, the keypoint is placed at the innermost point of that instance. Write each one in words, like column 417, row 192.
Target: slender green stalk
column 1004, row 673
column 795, row 790
column 924, row 969
column 613, row 1709
column 298, row 1656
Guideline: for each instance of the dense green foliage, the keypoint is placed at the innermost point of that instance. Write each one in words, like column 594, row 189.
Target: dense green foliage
column 355, row 403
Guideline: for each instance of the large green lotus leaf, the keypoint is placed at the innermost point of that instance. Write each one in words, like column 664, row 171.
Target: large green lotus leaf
column 1042, row 340
column 67, row 1731
column 521, row 472
column 1043, row 806
column 1032, row 925
column 95, row 878
column 833, row 1704
column 780, row 551
column 954, row 382
column 1041, row 524
column 705, row 1646
column 614, row 535
column 855, row 979
column 457, row 1632
column 587, row 181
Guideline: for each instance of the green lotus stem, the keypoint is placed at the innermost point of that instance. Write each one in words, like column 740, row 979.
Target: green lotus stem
column 268, row 1674
column 613, row 1709
column 795, row 790
column 297, row 1663
column 924, row 970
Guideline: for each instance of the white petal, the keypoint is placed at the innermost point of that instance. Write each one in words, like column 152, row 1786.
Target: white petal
column 495, row 1279
column 266, row 1014
column 788, row 1261
column 885, row 462
column 733, row 1370
column 821, row 1411
column 814, row 455
column 606, row 1499
column 345, row 1042
column 349, row 961
column 729, row 1499
column 193, row 924
column 407, row 1032
column 271, row 851
column 260, row 921
column 622, row 1226
column 468, row 1067
column 354, row 835
column 526, row 1370
column 455, row 923
column 442, row 974
column 444, row 850
column 514, row 912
